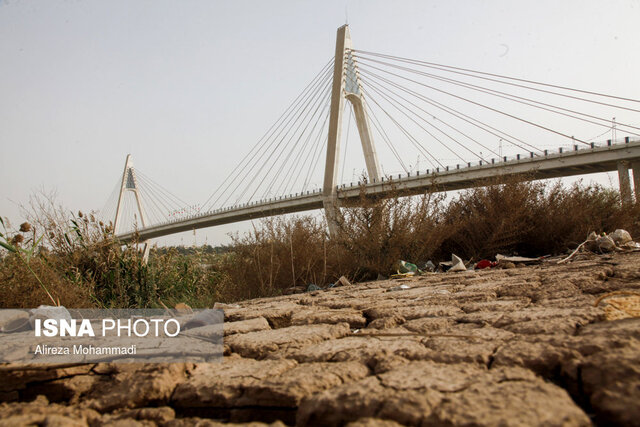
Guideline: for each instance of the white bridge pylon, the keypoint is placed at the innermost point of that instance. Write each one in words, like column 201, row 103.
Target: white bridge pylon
column 346, row 84
column 130, row 183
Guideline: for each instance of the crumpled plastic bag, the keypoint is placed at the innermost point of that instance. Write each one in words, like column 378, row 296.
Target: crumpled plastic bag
column 595, row 243
column 620, row 236
column 457, row 264
column 605, row 244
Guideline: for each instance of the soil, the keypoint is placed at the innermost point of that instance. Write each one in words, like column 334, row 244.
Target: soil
column 519, row 346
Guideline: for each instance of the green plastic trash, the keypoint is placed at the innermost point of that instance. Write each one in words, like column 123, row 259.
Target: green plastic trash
column 407, row 267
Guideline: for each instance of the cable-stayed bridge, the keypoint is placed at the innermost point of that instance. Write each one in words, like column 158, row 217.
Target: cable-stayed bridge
column 464, row 126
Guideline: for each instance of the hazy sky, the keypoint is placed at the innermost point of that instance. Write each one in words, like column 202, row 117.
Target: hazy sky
column 187, row 87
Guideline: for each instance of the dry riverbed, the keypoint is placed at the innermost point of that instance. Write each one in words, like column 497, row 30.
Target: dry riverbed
column 523, row 346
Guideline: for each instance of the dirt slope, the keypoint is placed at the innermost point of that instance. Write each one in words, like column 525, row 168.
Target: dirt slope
column 522, row 346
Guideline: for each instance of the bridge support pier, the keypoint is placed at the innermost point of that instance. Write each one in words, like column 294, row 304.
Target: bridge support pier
column 625, row 183
column 635, row 168
column 333, row 215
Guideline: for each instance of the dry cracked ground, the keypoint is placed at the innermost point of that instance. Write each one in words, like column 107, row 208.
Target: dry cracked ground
column 523, row 346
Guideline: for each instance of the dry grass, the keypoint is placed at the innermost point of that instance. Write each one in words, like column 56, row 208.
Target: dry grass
column 81, row 265
column 278, row 254
column 513, row 217
column 531, row 218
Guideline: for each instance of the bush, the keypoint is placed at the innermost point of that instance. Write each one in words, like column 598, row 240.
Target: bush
column 278, row 254
column 529, row 218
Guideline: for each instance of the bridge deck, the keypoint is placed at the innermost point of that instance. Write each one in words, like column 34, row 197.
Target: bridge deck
column 568, row 163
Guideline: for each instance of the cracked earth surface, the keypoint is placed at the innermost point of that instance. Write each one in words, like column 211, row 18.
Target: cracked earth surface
column 522, row 346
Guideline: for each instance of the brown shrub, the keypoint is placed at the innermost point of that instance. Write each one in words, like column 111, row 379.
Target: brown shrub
column 530, row 218
column 278, row 254
column 376, row 234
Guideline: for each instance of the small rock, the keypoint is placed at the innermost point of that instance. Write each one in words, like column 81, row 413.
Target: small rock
column 49, row 312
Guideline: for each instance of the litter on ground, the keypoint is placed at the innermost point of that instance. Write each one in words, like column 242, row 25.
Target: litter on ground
column 399, row 288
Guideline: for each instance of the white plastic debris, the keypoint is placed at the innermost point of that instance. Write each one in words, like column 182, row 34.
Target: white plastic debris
column 430, row 266
column 630, row 245
column 342, row 281
column 605, row 244
column 457, row 264
column 222, row 305
column 399, row 288
column 620, row 236
column 589, row 244
column 504, row 258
